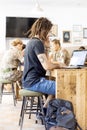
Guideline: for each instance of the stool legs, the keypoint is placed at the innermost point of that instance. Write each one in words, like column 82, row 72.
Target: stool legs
column 7, row 93
column 14, row 97
column 29, row 108
column 41, row 115
column 31, row 105
column 22, row 113
column 1, row 92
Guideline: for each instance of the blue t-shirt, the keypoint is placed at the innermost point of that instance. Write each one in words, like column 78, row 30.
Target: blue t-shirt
column 33, row 69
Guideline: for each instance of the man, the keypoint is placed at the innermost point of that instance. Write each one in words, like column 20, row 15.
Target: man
column 36, row 62
column 58, row 54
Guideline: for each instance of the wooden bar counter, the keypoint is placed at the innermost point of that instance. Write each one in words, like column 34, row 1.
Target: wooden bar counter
column 71, row 84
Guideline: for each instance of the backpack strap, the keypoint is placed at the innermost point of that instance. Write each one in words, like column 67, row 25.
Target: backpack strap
column 78, row 126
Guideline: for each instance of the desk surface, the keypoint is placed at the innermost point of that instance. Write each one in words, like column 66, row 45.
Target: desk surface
column 71, row 84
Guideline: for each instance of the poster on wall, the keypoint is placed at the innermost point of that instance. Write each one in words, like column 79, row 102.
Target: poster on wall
column 84, row 32
column 77, row 34
column 55, row 30
column 77, row 28
column 66, row 36
column 77, row 40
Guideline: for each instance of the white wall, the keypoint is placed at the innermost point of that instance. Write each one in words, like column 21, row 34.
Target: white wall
column 64, row 17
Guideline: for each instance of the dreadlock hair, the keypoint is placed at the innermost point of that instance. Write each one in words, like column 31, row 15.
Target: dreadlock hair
column 41, row 27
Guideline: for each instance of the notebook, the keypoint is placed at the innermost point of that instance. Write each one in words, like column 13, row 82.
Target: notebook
column 78, row 59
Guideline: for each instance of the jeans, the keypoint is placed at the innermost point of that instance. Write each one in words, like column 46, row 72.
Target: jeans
column 44, row 86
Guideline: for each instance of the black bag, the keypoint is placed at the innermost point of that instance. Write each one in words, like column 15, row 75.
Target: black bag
column 60, row 113
column 57, row 128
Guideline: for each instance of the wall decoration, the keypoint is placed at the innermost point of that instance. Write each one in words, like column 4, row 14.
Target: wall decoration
column 77, row 28
column 77, row 40
column 55, row 30
column 77, row 34
column 84, row 32
column 66, row 36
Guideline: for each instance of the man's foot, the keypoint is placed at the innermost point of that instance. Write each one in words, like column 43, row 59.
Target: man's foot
column 39, row 115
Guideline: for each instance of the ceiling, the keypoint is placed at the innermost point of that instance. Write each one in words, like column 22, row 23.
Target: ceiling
column 47, row 3
column 64, row 3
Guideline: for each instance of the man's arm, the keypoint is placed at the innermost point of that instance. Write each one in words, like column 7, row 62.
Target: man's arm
column 47, row 65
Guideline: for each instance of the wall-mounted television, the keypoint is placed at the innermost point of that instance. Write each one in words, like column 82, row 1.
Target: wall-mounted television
column 18, row 26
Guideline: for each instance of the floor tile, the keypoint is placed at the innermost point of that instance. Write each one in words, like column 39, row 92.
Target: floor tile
column 9, row 116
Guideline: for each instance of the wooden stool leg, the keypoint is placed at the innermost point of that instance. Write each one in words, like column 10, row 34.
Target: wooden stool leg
column 30, row 107
column 1, row 91
column 22, row 113
column 41, row 109
column 14, row 97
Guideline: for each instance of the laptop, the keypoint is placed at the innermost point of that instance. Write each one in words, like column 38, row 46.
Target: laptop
column 78, row 59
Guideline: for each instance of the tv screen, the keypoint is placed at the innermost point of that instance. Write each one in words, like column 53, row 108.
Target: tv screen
column 18, row 26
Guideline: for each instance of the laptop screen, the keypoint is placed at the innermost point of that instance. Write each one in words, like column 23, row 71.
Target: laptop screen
column 78, row 58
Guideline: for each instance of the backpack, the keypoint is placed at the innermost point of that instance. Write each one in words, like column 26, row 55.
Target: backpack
column 57, row 128
column 60, row 113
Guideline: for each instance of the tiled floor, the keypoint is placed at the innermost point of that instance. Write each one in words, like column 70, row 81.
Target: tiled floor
column 9, row 116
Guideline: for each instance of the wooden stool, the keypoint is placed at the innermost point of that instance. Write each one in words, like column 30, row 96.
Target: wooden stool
column 12, row 92
column 32, row 108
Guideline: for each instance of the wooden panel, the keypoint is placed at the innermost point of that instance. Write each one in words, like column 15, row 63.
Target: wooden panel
column 71, row 84
column 66, row 88
column 81, row 98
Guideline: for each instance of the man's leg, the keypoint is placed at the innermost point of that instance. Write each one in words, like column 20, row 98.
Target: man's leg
column 50, row 97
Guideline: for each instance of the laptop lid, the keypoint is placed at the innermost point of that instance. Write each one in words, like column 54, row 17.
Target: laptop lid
column 78, row 58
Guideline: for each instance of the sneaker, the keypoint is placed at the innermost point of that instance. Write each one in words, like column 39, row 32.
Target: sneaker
column 39, row 115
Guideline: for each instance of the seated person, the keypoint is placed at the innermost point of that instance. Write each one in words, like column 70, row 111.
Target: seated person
column 11, row 61
column 58, row 54
column 22, row 60
column 36, row 62
column 82, row 48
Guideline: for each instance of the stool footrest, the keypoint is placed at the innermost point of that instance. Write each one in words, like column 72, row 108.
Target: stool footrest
column 7, row 93
column 3, row 92
column 30, row 107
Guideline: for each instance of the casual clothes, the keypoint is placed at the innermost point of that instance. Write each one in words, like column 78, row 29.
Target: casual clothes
column 34, row 73
column 61, row 56
column 44, row 86
column 9, row 65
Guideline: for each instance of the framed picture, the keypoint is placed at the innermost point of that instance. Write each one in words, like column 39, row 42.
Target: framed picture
column 55, row 30
column 77, row 28
column 84, row 32
column 66, row 36
column 77, row 40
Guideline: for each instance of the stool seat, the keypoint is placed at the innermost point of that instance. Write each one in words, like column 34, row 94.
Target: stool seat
column 24, row 92
column 6, row 81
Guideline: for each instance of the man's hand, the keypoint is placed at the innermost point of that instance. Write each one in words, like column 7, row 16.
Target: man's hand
column 62, row 65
